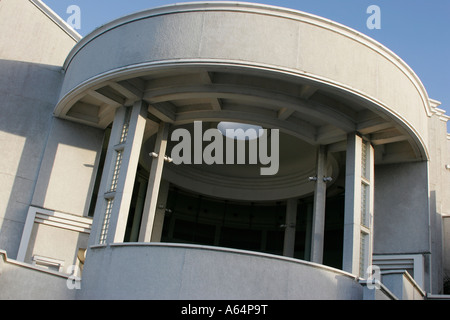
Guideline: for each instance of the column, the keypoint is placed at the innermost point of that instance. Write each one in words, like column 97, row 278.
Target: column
column 359, row 195
column 318, row 222
column 154, row 181
column 116, row 187
column 289, row 232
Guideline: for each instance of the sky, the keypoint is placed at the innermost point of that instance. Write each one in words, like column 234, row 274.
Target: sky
column 418, row 31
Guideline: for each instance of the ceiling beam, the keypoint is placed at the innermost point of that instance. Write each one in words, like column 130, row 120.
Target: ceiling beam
column 253, row 96
column 306, row 92
column 165, row 111
column 207, row 78
column 285, row 113
column 368, row 122
column 85, row 111
column 387, row 136
column 106, row 115
column 127, row 90
column 105, row 99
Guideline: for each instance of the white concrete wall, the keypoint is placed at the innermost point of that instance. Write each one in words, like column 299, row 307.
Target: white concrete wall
column 30, row 35
column 24, row 127
column 68, row 169
column 23, row 282
column 439, row 181
column 446, row 221
column 446, row 237
column 31, row 55
column 175, row 271
column 401, row 215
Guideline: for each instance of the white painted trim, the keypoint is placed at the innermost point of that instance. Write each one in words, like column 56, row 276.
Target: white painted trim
column 50, row 218
column 57, row 20
column 26, row 234
column 65, row 221
column 40, row 261
column 62, row 220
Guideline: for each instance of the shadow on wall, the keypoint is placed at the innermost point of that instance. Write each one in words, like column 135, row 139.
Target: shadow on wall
column 35, row 146
column 439, row 247
column 407, row 219
column 28, row 93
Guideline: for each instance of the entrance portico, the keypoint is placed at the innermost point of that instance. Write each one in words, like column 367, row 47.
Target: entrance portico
column 127, row 148
column 333, row 128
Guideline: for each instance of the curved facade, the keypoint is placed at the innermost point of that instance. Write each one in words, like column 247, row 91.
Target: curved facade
column 347, row 175
column 275, row 46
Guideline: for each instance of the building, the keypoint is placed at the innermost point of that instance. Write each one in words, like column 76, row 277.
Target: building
column 93, row 208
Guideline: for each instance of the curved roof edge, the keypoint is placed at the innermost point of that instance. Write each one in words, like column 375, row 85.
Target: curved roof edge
column 267, row 10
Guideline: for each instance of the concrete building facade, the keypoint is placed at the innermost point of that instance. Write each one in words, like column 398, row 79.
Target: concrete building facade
column 93, row 205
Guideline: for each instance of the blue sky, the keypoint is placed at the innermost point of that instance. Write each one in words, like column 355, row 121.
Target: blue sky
column 418, row 31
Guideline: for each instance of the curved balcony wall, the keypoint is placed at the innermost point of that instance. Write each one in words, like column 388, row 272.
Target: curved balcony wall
column 183, row 271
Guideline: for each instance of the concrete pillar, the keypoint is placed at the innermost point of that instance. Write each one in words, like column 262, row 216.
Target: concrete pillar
column 357, row 254
column 289, row 232
column 318, row 223
column 352, row 211
column 154, row 181
column 116, row 187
